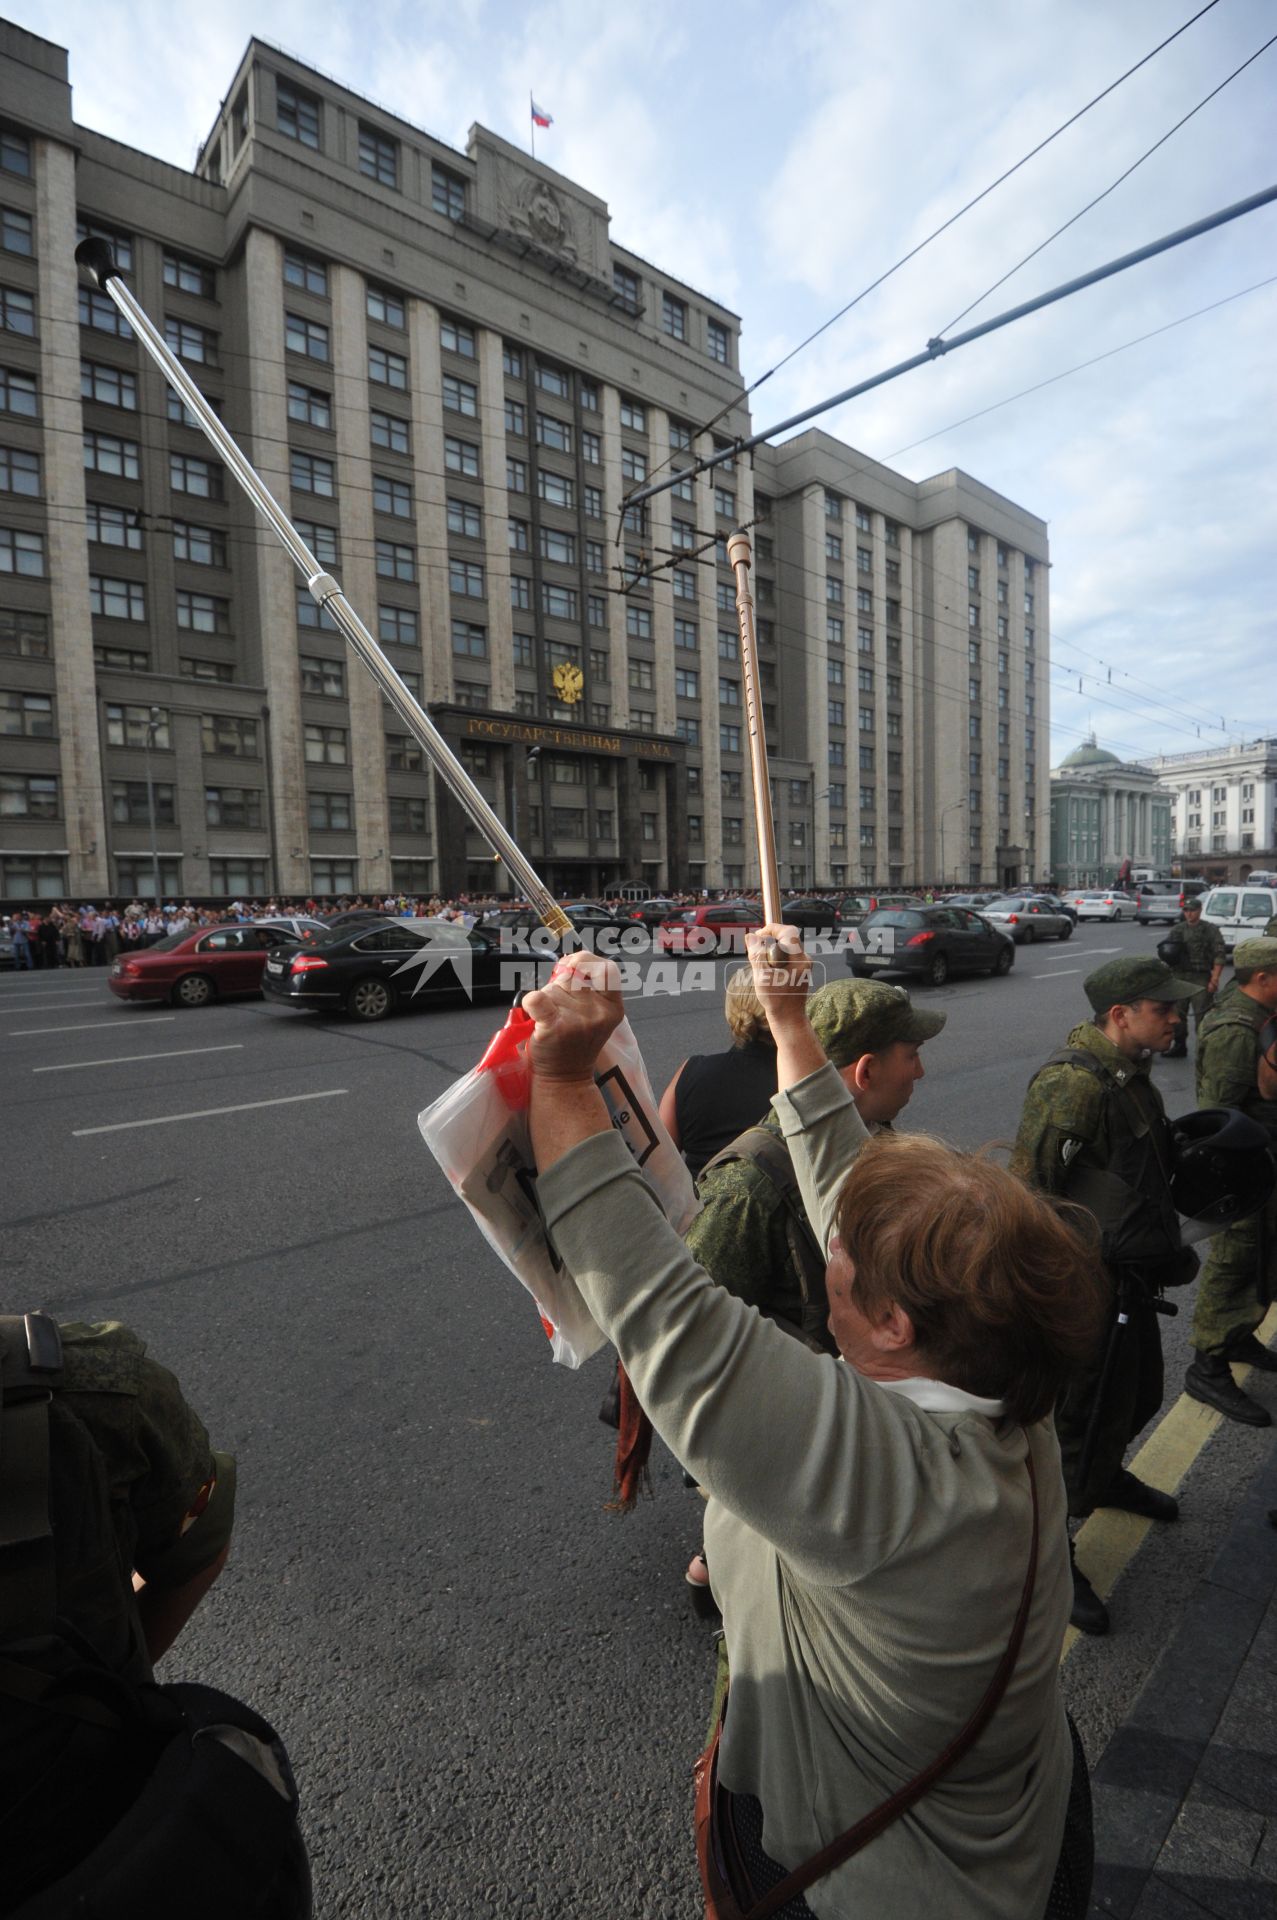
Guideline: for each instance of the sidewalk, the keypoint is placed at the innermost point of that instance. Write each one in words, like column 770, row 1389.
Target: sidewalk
column 1186, row 1790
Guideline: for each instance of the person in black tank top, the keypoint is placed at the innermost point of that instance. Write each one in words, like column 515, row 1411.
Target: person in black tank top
column 714, row 1096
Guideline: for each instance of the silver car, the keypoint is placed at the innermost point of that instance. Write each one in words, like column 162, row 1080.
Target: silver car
column 1105, row 903
column 1027, row 919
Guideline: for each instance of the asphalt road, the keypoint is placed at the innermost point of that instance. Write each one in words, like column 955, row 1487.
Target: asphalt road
column 492, row 1689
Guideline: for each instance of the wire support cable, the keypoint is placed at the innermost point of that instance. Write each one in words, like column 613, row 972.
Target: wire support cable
column 1111, row 188
column 952, row 220
column 937, row 347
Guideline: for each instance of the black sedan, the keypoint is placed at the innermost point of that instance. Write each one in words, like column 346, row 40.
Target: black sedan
column 812, row 915
column 588, row 919
column 649, row 913
column 932, row 942
column 371, row 970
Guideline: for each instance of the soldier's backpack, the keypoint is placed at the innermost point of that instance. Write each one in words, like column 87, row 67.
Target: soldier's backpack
column 118, row 1797
column 767, row 1151
column 1131, row 1196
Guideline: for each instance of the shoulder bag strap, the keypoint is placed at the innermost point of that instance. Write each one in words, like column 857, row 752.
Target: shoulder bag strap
column 882, row 1816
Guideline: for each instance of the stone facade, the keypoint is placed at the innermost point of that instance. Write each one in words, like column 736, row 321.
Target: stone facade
column 1224, row 808
column 1105, row 811
column 450, row 376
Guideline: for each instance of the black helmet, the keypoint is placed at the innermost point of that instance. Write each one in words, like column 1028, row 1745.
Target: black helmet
column 1223, row 1170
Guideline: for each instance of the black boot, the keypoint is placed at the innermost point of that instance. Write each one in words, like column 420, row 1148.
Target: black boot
column 1130, row 1495
column 1089, row 1613
column 1250, row 1352
column 1210, row 1380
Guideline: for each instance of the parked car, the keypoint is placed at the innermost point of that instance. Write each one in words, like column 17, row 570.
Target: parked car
column 976, row 901
column 1026, row 918
column 372, row 971
column 6, row 944
column 650, row 913
column 357, row 917
column 587, row 918
column 812, row 915
column 1054, row 901
column 718, row 927
column 1239, row 912
column 1160, row 903
column 930, row 941
column 207, row 963
column 1098, row 903
column 302, row 926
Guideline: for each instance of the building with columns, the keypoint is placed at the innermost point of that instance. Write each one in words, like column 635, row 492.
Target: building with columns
column 1105, row 811
column 451, row 376
column 1224, row 808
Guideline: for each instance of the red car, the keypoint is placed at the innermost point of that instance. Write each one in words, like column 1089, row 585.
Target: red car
column 207, row 963
column 715, row 929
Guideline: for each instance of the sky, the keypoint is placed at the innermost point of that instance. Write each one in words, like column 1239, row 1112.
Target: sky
column 780, row 158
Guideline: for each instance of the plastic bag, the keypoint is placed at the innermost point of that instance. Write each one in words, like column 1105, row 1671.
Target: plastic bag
column 478, row 1132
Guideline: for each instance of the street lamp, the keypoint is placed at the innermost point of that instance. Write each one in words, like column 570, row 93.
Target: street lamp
column 956, row 806
column 531, row 755
column 152, row 728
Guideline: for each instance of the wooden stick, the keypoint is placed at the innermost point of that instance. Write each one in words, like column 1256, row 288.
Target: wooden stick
column 740, row 557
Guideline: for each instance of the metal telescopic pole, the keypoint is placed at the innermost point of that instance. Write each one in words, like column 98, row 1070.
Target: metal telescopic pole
column 94, row 255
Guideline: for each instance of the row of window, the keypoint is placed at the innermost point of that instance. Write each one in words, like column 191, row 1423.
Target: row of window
column 298, row 115
column 1003, row 555
column 834, row 504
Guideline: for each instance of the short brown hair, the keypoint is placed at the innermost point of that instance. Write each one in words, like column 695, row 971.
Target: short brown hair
column 1003, row 1284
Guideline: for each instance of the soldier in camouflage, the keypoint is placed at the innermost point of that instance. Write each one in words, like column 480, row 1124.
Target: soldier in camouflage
column 1237, row 1067
column 140, row 1511
column 1196, row 950
column 1094, row 1131
column 743, row 1235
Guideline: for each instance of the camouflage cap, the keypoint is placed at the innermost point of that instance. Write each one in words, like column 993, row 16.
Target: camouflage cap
column 854, row 1017
column 1120, row 983
column 1260, row 952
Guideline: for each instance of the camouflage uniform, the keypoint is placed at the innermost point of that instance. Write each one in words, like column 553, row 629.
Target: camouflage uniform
column 1067, row 1129
column 157, row 1461
column 1233, row 1295
column 1194, row 952
column 133, row 1485
column 748, row 1237
column 744, row 1240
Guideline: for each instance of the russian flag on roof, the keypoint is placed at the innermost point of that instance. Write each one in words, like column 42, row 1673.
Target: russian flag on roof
column 540, row 118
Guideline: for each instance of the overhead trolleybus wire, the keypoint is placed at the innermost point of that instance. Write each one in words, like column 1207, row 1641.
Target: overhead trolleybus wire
column 937, row 347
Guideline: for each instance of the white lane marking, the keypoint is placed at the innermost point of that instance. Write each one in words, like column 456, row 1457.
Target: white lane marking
column 1084, row 953
column 62, row 1000
column 206, row 1113
column 92, row 1026
column 1055, row 976
column 122, row 1059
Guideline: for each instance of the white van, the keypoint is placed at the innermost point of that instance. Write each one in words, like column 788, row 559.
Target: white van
column 1261, row 879
column 1240, row 913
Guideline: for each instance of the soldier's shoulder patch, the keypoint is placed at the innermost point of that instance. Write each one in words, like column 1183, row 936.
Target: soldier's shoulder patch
column 1070, row 1147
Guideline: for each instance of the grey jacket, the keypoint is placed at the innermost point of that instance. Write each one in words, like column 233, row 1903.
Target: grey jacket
column 868, row 1547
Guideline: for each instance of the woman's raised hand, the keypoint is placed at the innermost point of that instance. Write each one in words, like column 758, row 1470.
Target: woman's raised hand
column 574, row 1016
